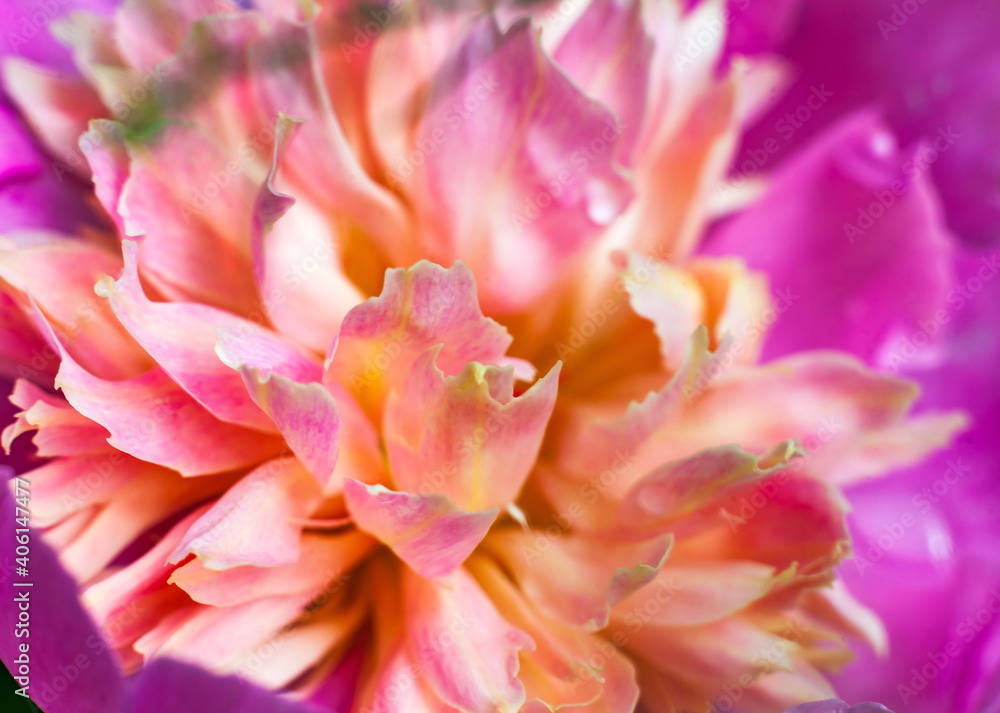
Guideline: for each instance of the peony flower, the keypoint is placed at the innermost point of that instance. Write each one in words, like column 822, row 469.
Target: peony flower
column 407, row 380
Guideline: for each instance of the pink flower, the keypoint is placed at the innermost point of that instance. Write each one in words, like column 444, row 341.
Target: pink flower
column 401, row 383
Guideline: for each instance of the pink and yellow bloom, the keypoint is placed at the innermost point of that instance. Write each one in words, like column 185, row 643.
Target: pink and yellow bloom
column 402, row 376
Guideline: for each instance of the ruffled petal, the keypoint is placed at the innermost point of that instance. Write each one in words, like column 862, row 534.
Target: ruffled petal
column 181, row 337
column 466, row 436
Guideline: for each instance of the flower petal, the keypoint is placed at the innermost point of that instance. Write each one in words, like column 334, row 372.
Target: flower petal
column 466, row 436
column 466, row 650
column 551, row 188
column 230, row 533
column 427, row 532
column 181, row 337
column 149, row 415
column 418, row 308
column 61, row 631
column 578, row 579
column 854, row 286
column 167, row 685
column 324, row 563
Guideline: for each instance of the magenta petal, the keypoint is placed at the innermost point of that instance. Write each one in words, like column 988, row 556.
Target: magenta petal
column 166, row 686
column 62, row 633
column 855, row 250
column 931, row 67
column 837, row 706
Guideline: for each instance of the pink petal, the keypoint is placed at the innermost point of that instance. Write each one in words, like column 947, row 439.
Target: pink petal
column 478, row 672
column 147, row 499
column 230, row 533
column 551, row 189
column 60, row 430
column 466, row 436
column 607, row 53
column 398, row 680
column 324, row 563
column 306, row 415
column 219, row 637
column 182, row 339
column 678, row 489
column 150, row 415
column 186, row 204
column 428, row 532
column 92, row 333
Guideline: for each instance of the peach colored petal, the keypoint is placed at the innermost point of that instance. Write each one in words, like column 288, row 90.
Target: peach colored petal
column 324, row 564
column 697, row 593
column 569, row 668
column 578, row 579
column 466, row 436
column 418, row 308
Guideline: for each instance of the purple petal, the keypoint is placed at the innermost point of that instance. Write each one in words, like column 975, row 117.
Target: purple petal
column 70, row 668
column 166, row 685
